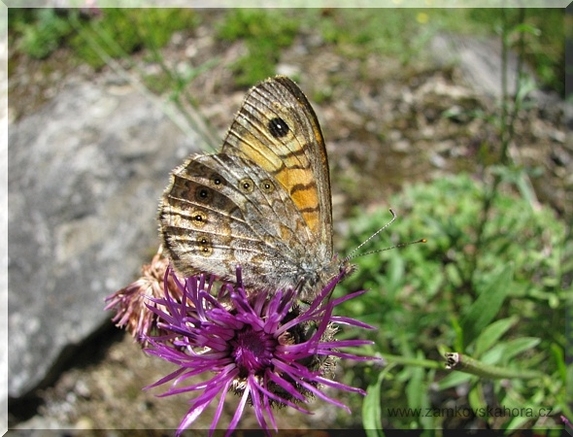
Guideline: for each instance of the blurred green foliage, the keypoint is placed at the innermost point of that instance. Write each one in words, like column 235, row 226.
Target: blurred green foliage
column 355, row 33
column 403, row 33
column 124, row 31
column 506, row 309
column 38, row 32
column 265, row 33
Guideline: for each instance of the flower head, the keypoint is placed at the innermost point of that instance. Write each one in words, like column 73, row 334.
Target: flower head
column 131, row 303
column 265, row 348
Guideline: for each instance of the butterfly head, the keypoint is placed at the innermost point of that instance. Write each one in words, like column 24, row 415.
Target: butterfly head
column 313, row 279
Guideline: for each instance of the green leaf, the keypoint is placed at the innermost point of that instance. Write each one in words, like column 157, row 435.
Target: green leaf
column 492, row 334
column 569, row 385
column 454, row 379
column 495, row 355
column 371, row 411
column 487, row 305
column 395, row 272
column 559, row 358
column 476, row 397
column 459, row 341
column 525, row 28
column 415, row 390
column 518, row 345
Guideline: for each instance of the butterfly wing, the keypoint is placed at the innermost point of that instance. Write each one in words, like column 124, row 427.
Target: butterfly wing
column 220, row 211
column 277, row 129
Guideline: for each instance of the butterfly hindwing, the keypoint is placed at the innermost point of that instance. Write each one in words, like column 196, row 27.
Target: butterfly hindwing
column 220, row 212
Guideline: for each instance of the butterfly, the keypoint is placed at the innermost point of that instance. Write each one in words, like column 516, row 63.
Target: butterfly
column 263, row 203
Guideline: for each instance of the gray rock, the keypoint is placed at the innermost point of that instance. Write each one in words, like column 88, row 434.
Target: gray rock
column 85, row 175
column 479, row 61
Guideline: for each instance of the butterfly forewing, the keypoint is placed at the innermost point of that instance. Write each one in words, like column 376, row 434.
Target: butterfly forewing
column 278, row 130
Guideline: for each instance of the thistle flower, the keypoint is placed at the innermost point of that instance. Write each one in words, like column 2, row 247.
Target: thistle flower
column 130, row 303
column 264, row 348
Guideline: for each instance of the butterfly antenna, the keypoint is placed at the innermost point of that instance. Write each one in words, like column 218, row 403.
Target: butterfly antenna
column 396, row 246
column 353, row 254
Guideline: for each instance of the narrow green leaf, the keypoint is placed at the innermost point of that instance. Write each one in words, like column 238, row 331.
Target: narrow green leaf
column 525, row 28
column 559, row 358
column 487, row 305
column 569, row 387
column 415, row 388
column 492, row 334
column 459, row 341
column 476, row 398
column 428, row 421
column 371, row 411
column 453, row 380
column 494, row 356
column 395, row 274
column 518, row 345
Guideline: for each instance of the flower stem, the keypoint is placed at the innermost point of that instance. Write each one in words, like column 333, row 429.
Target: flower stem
column 466, row 364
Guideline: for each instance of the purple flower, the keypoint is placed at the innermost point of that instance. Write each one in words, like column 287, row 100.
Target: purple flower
column 567, row 423
column 265, row 348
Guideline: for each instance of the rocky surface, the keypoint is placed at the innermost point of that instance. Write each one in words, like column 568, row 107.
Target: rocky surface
column 85, row 172
column 87, row 168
